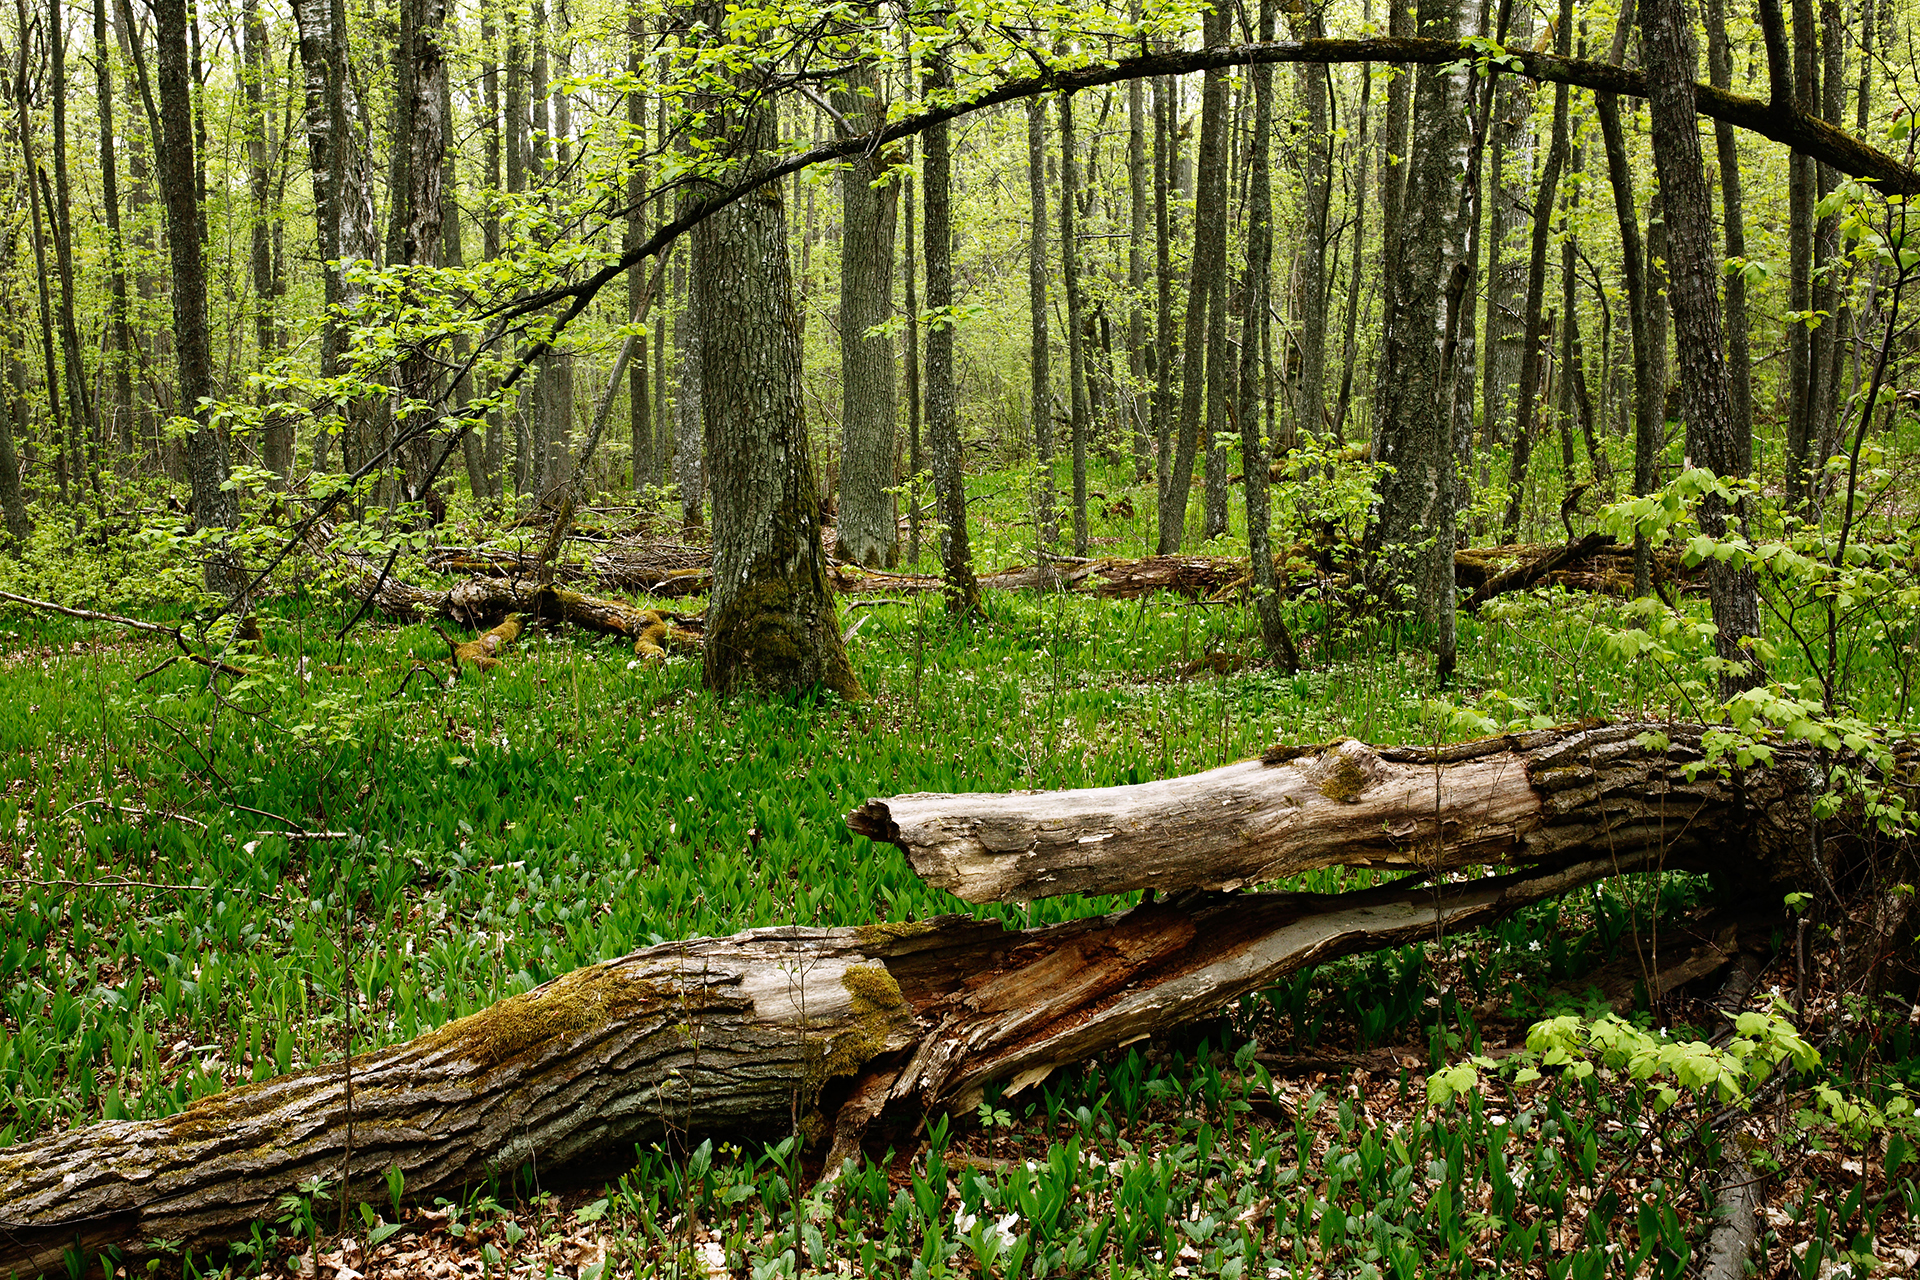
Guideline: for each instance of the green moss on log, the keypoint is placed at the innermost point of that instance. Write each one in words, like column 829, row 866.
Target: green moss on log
column 566, row 1007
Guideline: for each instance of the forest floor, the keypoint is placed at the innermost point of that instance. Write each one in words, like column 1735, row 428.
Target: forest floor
column 204, row 885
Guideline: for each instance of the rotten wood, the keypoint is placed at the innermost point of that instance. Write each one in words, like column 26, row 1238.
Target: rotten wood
column 1523, row 576
column 1525, row 799
column 717, row 1035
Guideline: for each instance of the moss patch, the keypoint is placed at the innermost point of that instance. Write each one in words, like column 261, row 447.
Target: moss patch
column 571, row 1004
column 1344, row 782
column 876, row 936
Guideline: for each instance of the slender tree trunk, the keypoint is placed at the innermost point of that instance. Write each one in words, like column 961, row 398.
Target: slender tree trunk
column 1705, row 402
column 639, row 400
column 1255, row 289
column 276, row 443
column 943, row 423
column 213, row 503
column 1361, row 153
column 1527, row 403
column 1209, row 259
column 50, row 361
column 689, row 461
column 416, row 212
column 868, row 518
column 13, row 505
column 1311, row 410
column 84, row 438
column 121, row 410
column 1734, row 216
column 1509, row 181
column 1039, row 352
column 1646, row 399
column 1163, row 297
column 916, row 462
column 342, row 203
column 1827, row 348
column 1138, row 357
column 1801, row 408
column 525, row 403
column 1076, row 337
column 155, row 347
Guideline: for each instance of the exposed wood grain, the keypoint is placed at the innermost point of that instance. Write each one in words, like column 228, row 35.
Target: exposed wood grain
column 1538, row 798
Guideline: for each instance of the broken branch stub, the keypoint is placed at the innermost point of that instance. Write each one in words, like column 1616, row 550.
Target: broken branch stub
column 1540, row 798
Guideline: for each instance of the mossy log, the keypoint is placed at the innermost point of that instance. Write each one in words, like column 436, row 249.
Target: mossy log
column 487, row 602
column 1538, row 799
column 845, row 1027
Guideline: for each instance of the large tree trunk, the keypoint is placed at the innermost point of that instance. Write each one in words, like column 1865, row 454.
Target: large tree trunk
column 844, row 1026
column 867, row 517
column 1705, row 402
column 1414, row 525
column 770, row 619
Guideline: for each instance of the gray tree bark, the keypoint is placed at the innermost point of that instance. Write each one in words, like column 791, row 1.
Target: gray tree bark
column 213, row 504
column 342, row 199
column 1693, row 267
column 1527, row 401
column 1076, row 335
column 868, row 514
column 1414, row 524
column 943, row 422
column 771, row 623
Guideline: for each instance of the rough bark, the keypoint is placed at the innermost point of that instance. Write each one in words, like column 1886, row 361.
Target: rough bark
column 1256, row 286
column 1693, row 268
column 943, row 423
column 845, row 1026
column 1733, row 216
column 1647, row 419
column 1138, row 359
column 1414, row 525
column 276, row 443
column 868, row 206
column 1542, row 799
column 418, row 209
column 120, row 420
column 342, row 195
column 771, row 615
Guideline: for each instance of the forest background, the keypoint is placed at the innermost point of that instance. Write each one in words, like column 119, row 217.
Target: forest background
column 284, row 293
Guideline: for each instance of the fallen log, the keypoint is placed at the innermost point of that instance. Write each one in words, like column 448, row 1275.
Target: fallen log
column 844, row 1027
column 1526, row 575
column 729, row 1035
column 1532, row 798
column 486, row 602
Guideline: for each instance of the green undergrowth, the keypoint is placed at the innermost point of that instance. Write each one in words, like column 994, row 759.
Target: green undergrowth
column 202, row 885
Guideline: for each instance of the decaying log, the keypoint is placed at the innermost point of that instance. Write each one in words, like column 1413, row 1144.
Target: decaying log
column 1522, row 576
column 667, row 569
column 1525, row 799
column 486, row 602
column 725, row 1035
column 845, row 1026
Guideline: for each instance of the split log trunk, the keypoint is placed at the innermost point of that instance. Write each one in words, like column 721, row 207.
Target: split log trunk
column 1533, row 799
column 730, row 1035
column 846, row 1026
